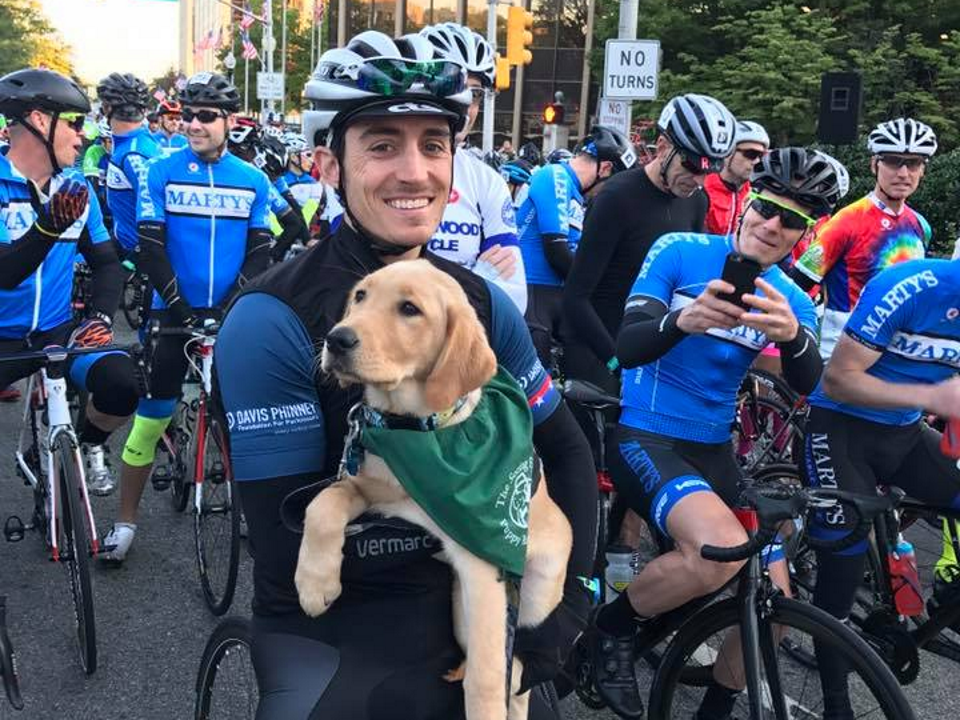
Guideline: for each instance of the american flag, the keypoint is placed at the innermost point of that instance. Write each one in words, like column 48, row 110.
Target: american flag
column 249, row 49
column 247, row 19
column 206, row 43
column 318, row 11
column 160, row 95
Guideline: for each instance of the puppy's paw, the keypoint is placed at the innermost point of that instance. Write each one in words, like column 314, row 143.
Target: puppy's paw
column 318, row 585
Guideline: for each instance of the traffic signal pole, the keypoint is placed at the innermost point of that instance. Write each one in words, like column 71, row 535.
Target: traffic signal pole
column 489, row 97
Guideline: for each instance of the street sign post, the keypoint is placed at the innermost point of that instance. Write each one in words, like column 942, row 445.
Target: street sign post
column 269, row 86
column 630, row 69
column 614, row 114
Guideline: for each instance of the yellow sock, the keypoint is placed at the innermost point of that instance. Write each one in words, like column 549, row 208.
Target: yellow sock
column 947, row 564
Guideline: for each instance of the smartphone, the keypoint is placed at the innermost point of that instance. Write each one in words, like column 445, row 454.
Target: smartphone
column 740, row 271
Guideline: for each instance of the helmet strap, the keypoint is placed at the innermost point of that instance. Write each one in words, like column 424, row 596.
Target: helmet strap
column 48, row 140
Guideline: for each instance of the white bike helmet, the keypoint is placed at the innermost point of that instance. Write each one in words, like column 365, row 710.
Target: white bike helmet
column 295, row 143
column 463, row 45
column 903, row 135
column 699, row 125
column 103, row 129
column 749, row 131
column 377, row 75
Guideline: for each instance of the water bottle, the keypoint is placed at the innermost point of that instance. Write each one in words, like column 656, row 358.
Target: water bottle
column 620, row 570
column 904, row 579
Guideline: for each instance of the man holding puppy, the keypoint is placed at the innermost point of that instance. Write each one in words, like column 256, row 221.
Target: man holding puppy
column 383, row 120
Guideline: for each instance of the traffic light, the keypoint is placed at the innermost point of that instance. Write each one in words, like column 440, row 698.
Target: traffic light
column 553, row 114
column 502, row 81
column 519, row 37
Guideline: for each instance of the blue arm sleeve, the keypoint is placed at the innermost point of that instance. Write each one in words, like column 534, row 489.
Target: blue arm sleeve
column 264, row 361
column 514, row 350
column 150, row 196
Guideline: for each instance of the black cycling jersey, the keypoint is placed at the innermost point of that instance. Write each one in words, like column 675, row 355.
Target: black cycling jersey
column 622, row 222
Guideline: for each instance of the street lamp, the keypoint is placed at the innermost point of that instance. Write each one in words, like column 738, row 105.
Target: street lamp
column 230, row 63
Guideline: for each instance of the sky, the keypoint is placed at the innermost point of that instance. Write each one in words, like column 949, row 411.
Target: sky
column 138, row 36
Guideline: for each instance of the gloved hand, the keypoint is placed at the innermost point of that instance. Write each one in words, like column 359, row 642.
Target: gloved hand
column 92, row 332
column 184, row 315
column 62, row 209
column 544, row 649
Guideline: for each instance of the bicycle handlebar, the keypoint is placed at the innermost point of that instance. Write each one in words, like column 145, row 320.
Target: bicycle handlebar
column 59, row 353
column 209, row 328
column 776, row 504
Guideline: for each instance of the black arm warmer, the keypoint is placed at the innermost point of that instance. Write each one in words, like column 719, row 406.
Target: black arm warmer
column 293, row 228
column 155, row 263
column 558, row 254
column 20, row 258
column 303, row 232
column 107, row 284
column 648, row 332
column 257, row 256
column 801, row 361
column 805, row 283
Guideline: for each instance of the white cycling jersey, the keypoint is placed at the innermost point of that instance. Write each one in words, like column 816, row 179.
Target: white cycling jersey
column 480, row 215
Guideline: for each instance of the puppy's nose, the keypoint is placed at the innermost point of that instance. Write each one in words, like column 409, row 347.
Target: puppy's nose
column 342, row 340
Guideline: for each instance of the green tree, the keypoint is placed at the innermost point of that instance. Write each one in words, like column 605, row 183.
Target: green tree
column 27, row 39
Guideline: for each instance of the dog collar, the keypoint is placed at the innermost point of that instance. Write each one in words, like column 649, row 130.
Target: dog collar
column 362, row 415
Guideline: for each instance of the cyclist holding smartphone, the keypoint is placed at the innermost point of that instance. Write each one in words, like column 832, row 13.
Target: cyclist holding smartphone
column 685, row 350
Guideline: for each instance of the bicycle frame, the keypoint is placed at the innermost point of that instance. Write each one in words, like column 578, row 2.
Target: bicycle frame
column 205, row 371
column 50, row 389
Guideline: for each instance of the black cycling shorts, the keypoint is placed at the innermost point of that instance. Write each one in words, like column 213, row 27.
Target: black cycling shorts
column 654, row 472
column 543, row 317
column 857, row 455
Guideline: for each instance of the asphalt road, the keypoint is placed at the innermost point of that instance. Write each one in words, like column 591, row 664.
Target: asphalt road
column 152, row 622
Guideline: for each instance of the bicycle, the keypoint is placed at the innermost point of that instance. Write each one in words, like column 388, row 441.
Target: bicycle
column 136, row 295
column 51, row 464
column 8, row 661
column 198, row 458
column 740, row 639
column 82, row 289
column 896, row 639
column 769, row 424
column 226, row 682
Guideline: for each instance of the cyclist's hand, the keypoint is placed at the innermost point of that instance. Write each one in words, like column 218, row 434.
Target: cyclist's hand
column 91, row 333
column 775, row 319
column 544, row 649
column 57, row 213
column 503, row 260
column 945, row 398
column 708, row 311
column 184, row 315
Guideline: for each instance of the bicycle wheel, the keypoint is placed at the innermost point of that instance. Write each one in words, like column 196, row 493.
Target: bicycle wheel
column 133, row 299
column 216, row 518
column 74, row 550
column 873, row 691
column 226, row 681
column 179, row 435
column 8, row 661
column 765, row 432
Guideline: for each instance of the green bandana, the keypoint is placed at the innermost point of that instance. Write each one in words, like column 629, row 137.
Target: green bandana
column 474, row 478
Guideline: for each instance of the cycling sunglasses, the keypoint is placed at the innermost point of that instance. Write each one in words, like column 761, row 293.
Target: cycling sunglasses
column 76, row 120
column 204, row 116
column 391, row 77
column 476, row 94
column 700, row 165
column 790, row 218
column 895, row 162
column 752, row 155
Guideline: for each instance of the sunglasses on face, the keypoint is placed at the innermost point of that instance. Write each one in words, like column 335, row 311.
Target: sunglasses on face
column 790, row 218
column 476, row 94
column 204, row 116
column 752, row 155
column 75, row 120
column 895, row 162
column 700, row 165
column 390, row 77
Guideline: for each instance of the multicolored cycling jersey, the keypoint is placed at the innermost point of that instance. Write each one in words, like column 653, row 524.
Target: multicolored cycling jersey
column 859, row 241
column 169, row 144
column 479, row 215
column 910, row 314
column 303, row 187
column 553, row 206
column 126, row 179
column 42, row 301
column 208, row 209
column 95, row 162
column 690, row 393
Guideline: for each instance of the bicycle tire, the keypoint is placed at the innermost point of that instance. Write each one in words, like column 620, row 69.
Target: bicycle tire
column 179, row 435
column 231, row 634
column 133, row 300
column 716, row 620
column 74, row 551
column 784, row 444
column 216, row 511
column 8, row 662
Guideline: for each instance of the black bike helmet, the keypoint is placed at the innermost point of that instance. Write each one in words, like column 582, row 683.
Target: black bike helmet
column 124, row 97
column 208, row 89
column 271, row 156
column 806, row 176
column 531, row 153
column 25, row 90
column 243, row 138
column 606, row 143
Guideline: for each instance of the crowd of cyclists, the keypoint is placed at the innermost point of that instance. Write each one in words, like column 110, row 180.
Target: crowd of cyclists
column 661, row 283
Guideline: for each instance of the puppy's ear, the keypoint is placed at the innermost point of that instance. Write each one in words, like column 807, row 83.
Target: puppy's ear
column 466, row 361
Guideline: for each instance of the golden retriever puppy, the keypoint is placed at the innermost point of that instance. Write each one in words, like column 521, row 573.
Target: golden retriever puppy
column 411, row 338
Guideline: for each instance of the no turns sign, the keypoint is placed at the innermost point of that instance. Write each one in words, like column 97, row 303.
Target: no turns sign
column 630, row 69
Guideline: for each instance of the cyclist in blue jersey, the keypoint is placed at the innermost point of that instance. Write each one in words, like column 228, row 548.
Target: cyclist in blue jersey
column 550, row 221
column 380, row 650
column 169, row 135
column 685, row 351
column 897, row 357
column 202, row 222
column 124, row 100
column 47, row 215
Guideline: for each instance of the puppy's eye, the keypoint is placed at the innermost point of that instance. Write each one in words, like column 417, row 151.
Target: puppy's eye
column 359, row 295
column 409, row 309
